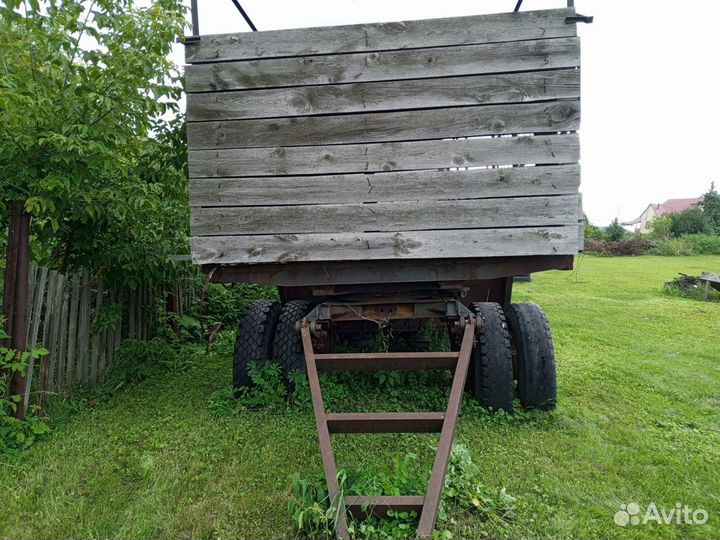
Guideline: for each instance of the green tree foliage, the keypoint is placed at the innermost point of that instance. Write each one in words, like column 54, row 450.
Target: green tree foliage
column 84, row 86
column 661, row 228
column 592, row 232
column 690, row 221
column 615, row 231
column 711, row 208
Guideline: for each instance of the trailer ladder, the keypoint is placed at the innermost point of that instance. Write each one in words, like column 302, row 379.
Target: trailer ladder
column 382, row 422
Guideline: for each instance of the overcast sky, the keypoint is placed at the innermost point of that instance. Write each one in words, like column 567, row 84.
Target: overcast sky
column 650, row 93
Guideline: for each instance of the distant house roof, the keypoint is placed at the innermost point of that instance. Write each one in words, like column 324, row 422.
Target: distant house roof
column 668, row 207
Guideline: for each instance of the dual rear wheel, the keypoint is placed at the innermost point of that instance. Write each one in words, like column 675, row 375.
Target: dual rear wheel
column 267, row 333
column 514, row 351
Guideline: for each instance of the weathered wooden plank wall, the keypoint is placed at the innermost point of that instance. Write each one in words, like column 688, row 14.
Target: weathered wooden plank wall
column 441, row 138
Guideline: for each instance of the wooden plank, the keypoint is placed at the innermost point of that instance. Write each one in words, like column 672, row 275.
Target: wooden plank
column 32, row 278
column 377, row 246
column 35, row 322
column 95, row 341
column 54, row 345
column 72, row 351
column 385, row 187
column 385, row 66
column 63, row 338
column 46, row 335
column 84, row 329
column 376, row 157
column 384, row 96
column 117, row 339
column 131, row 297
column 139, row 312
column 381, row 36
column 386, row 216
column 38, row 298
column 388, row 126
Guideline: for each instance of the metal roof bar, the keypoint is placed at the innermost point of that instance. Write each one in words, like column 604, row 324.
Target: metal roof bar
column 245, row 15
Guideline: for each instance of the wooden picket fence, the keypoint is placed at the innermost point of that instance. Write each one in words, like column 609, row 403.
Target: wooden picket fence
column 82, row 322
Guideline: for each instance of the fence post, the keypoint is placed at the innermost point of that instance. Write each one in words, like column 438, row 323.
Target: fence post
column 15, row 299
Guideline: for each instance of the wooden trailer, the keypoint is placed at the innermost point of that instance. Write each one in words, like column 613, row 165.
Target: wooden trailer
column 391, row 172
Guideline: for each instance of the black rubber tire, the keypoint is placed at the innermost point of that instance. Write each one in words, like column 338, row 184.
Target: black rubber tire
column 537, row 381
column 287, row 348
column 491, row 369
column 254, row 340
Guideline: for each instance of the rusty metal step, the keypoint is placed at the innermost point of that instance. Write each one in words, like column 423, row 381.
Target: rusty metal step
column 379, row 505
column 405, row 422
column 400, row 361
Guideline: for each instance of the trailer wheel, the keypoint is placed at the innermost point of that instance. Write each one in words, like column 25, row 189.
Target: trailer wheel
column 537, row 383
column 287, row 347
column 491, row 369
column 254, row 340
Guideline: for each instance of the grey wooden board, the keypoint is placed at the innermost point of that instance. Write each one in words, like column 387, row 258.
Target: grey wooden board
column 549, row 149
column 83, row 336
column 384, row 66
column 95, row 339
column 386, row 216
column 378, row 246
column 388, row 126
column 385, row 95
column 386, row 187
column 710, row 276
column 72, row 349
column 32, row 276
column 379, row 36
column 38, row 298
column 54, row 342
column 62, row 351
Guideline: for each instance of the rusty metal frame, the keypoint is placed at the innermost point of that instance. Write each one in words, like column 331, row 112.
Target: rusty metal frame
column 428, row 422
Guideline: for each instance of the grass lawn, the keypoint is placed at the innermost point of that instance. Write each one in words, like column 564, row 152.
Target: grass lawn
column 638, row 420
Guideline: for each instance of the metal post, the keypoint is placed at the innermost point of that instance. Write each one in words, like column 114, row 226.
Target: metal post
column 195, row 18
column 245, row 15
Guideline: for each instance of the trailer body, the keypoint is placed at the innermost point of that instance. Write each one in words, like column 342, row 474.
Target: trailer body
column 436, row 151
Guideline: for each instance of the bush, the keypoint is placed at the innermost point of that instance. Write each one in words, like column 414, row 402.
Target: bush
column 633, row 245
column 592, row 232
column 615, row 231
column 226, row 304
column 690, row 244
column 711, row 208
column 690, row 221
column 138, row 360
column 16, row 434
column 313, row 515
column 661, row 228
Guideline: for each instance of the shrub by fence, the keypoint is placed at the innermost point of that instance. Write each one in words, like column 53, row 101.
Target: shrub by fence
column 637, row 244
column 81, row 321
